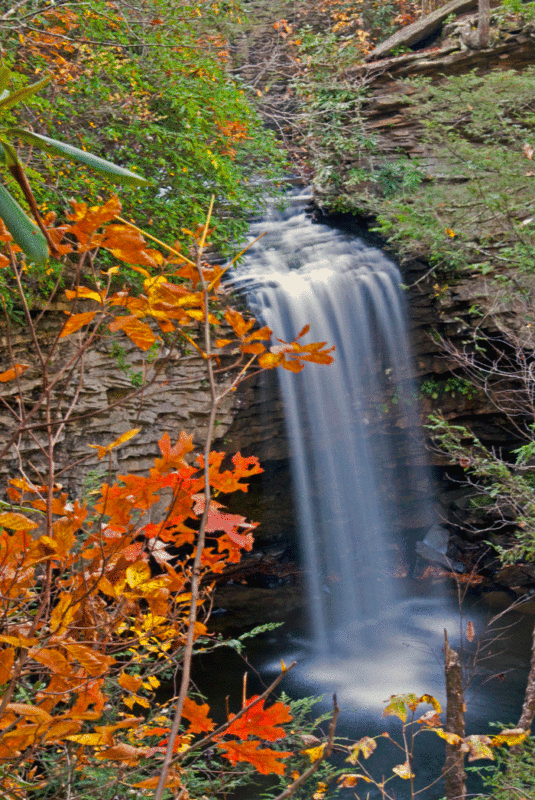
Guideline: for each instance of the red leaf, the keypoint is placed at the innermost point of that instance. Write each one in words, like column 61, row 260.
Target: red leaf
column 264, row 760
column 260, row 721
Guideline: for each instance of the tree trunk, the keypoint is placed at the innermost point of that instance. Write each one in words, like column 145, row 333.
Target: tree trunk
column 454, row 772
column 528, row 709
column 483, row 25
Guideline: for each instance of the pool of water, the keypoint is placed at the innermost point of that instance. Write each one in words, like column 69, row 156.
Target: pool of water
column 398, row 652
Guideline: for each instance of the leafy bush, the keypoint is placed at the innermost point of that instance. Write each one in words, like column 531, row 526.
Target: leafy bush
column 150, row 90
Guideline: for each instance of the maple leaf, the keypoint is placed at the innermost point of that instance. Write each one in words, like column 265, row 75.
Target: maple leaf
column 261, row 722
column 264, row 760
column 173, row 456
column 228, row 523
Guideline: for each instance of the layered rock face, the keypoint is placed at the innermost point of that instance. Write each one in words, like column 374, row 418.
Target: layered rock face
column 107, row 387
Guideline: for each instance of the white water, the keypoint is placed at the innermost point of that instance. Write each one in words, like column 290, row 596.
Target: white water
column 343, row 451
column 369, row 634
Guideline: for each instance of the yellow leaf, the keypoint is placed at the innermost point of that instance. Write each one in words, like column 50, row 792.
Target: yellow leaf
column 124, row 437
column 319, row 794
column 432, row 701
column 366, row 746
column 479, row 747
column 509, row 737
column 16, row 522
column 63, row 614
column 404, row 771
column 137, row 574
column 90, row 739
column 314, row 753
column 451, row 738
column 83, row 293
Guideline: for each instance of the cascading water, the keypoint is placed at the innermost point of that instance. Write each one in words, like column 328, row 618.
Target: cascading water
column 358, row 467
column 340, row 417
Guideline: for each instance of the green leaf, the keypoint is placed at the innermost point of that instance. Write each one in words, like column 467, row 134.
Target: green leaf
column 5, row 75
column 25, row 232
column 21, row 94
column 55, row 148
column 8, row 154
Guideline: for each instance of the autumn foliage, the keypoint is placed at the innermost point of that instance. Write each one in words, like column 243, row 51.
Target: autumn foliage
column 104, row 598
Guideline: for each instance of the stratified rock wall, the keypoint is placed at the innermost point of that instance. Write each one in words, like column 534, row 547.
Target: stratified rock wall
column 106, row 407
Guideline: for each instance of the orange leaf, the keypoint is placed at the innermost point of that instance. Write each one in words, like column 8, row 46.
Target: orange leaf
column 237, row 322
column 14, row 372
column 256, row 348
column 7, row 659
column 130, row 682
column 260, row 721
column 264, row 760
column 93, row 662
column 127, row 753
column 198, row 716
column 16, row 522
column 139, row 332
column 270, row 360
column 75, row 322
column 83, row 293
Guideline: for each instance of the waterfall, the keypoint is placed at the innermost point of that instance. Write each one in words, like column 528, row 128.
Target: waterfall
column 349, row 423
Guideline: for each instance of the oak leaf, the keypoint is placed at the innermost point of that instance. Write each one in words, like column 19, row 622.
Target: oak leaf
column 197, row 715
column 264, row 760
column 261, row 722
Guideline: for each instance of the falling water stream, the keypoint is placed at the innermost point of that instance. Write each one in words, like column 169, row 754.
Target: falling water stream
column 349, row 423
column 358, row 465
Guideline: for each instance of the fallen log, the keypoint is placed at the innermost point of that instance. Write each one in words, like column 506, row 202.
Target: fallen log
column 421, row 29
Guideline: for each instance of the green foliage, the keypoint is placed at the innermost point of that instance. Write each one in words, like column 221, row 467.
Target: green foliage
column 453, row 386
column 502, row 486
column 511, row 776
column 29, row 236
column 152, row 90
column 400, row 176
column 476, row 210
column 517, row 8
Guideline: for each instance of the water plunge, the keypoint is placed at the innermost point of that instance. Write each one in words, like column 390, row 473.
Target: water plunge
column 349, row 423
